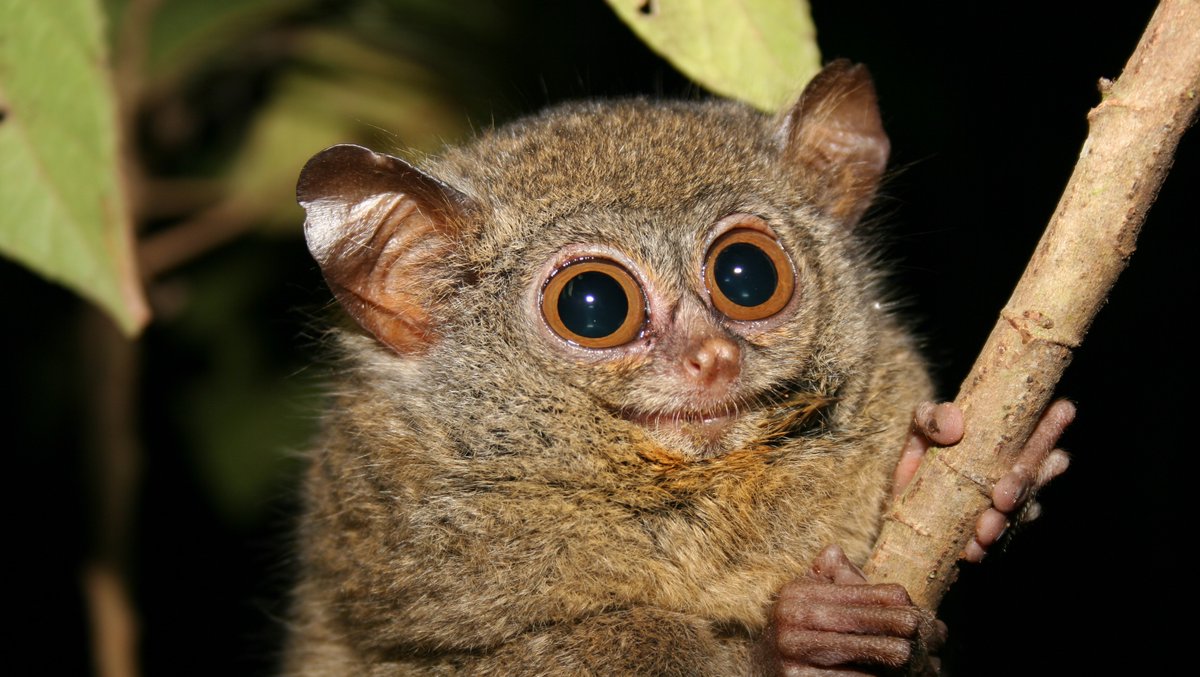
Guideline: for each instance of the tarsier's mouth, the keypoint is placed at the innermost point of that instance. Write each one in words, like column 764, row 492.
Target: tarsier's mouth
column 784, row 412
column 708, row 424
column 713, row 416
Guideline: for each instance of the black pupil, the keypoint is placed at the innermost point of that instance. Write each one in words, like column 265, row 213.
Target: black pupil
column 745, row 274
column 593, row 304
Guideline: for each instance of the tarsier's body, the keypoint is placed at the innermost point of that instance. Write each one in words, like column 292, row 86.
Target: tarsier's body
column 492, row 497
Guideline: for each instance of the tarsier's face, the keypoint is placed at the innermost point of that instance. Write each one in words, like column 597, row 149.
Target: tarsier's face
column 677, row 273
column 696, row 344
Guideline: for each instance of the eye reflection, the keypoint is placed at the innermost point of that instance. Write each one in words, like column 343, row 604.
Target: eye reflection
column 745, row 274
column 593, row 304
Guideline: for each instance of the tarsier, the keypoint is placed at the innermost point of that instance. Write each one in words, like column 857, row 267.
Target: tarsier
column 619, row 374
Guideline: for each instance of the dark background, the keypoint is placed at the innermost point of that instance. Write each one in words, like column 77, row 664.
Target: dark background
column 985, row 106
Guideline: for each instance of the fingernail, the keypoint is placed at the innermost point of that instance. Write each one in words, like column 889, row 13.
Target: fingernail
column 929, row 415
column 1031, row 513
column 1021, row 494
column 925, row 411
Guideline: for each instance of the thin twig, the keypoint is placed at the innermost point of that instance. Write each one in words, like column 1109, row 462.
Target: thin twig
column 114, row 446
column 191, row 238
column 114, row 460
column 171, row 198
column 128, row 69
column 113, row 621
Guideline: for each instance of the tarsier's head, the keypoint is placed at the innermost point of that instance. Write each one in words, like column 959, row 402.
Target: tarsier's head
column 682, row 273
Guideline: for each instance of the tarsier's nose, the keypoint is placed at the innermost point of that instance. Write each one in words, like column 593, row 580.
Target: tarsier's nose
column 712, row 362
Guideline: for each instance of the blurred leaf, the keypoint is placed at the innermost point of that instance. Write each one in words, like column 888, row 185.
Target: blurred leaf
column 186, row 33
column 262, row 182
column 65, row 213
column 478, row 17
column 348, row 93
column 759, row 51
column 463, row 33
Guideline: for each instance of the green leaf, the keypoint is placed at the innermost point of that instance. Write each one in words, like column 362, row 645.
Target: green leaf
column 759, row 51
column 65, row 213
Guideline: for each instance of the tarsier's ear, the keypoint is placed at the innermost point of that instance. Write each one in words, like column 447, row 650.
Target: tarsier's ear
column 834, row 139
column 380, row 230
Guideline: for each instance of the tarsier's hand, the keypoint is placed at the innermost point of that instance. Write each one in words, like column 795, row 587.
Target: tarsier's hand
column 832, row 622
column 1012, row 496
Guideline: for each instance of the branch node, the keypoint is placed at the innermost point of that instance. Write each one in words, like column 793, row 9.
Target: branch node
column 1035, row 326
column 1116, row 102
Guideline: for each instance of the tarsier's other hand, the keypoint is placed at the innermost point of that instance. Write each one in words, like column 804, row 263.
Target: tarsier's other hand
column 832, row 622
column 1012, row 496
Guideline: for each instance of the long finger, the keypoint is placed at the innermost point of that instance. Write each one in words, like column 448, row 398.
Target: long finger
column 903, row 622
column 932, row 424
column 1038, row 461
column 941, row 423
column 799, row 592
column 1049, row 429
column 831, row 649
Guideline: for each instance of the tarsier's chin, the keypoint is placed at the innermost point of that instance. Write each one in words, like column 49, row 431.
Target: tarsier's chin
column 619, row 370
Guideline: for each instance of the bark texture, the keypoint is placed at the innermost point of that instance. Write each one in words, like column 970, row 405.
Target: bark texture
column 1132, row 137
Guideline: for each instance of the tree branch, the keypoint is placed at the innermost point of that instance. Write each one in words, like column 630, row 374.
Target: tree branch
column 1131, row 143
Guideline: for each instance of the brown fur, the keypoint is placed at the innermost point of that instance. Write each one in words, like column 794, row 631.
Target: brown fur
column 477, row 505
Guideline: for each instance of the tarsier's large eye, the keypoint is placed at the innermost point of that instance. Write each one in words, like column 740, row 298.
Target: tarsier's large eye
column 594, row 303
column 748, row 274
